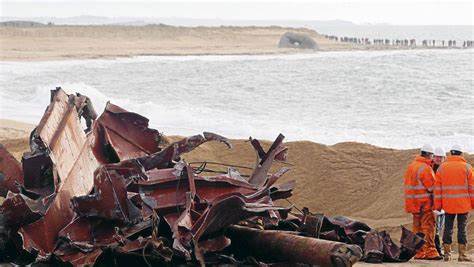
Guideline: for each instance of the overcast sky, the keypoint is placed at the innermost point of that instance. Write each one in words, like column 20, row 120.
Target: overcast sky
column 392, row 12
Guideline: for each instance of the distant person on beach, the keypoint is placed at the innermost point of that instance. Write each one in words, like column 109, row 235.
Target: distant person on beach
column 454, row 193
column 419, row 182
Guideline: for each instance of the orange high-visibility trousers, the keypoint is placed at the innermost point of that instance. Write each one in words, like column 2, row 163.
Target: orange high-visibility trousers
column 425, row 223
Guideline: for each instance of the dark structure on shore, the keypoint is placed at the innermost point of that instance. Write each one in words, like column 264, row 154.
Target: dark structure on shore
column 297, row 40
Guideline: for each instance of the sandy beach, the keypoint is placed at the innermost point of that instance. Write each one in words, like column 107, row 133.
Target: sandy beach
column 79, row 42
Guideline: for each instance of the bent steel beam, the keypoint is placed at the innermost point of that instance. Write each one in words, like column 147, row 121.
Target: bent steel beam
column 259, row 174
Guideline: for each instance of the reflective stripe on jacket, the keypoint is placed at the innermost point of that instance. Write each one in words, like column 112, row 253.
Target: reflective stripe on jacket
column 419, row 182
column 454, row 187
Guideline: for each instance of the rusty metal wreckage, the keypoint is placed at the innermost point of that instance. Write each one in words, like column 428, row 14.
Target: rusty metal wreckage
column 118, row 192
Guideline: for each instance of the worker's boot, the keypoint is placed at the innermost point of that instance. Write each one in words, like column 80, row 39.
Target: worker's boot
column 447, row 252
column 462, row 253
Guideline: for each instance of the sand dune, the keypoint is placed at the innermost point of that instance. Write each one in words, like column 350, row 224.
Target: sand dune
column 70, row 42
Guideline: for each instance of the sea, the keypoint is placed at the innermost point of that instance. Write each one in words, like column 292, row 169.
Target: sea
column 393, row 99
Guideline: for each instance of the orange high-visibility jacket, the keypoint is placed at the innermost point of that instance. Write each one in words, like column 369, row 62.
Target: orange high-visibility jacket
column 454, row 186
column 419, row 182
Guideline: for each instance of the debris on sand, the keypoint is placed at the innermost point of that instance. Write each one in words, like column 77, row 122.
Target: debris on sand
column 115, row 192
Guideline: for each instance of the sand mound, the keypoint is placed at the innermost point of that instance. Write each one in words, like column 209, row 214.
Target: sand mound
column 352, row 179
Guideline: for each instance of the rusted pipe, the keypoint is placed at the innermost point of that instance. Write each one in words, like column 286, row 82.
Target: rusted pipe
column 280, row 246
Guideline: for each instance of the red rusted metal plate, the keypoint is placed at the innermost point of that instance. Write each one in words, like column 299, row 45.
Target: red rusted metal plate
column 125, row 132
column 410, row 244
column 109, row 199
column 94, row 235
column 79, row 258
column 10, row 172
column 60, row 129
column 15, row 212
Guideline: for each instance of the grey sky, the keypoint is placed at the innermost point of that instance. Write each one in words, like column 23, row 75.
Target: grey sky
column 400, row 12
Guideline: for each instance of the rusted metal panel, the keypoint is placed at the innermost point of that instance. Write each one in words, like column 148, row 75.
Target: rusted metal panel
column 60, row 129
column 11, row 173
column 410, row 243
column 109, row 199
column 126, row 134
column 83, row 240
column 373, row 247
column 15, row 211
column 78, row 258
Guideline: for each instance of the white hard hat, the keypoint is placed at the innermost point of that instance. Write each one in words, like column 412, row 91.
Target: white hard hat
column 457, row 148
column 428, row 148
column 439, row 151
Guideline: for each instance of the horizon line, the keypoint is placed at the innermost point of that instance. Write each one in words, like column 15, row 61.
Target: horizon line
column 2, row 18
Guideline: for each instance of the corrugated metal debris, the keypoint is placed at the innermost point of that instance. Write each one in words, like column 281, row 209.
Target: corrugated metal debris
column 116, row 192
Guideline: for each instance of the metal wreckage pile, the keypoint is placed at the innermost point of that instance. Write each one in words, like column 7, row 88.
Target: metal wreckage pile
column 117, row 193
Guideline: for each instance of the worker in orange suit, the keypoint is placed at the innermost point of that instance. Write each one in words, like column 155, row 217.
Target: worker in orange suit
column 454, row 193
column 438, row 159
column 419, row 182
